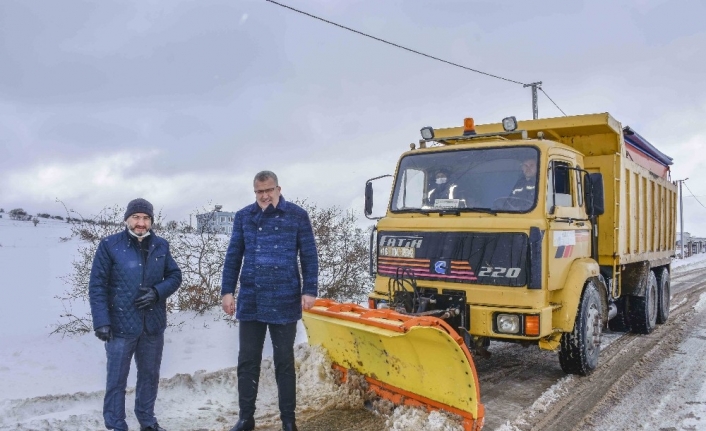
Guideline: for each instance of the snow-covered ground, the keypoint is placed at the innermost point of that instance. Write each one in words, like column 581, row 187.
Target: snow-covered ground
column 50, row 382
column 54, row 382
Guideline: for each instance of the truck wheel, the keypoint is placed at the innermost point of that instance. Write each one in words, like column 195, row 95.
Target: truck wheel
column 580, row 348
column 643, row 309
column 664, row 292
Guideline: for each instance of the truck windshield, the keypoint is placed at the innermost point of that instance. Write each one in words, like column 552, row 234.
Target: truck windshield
column 497, row 179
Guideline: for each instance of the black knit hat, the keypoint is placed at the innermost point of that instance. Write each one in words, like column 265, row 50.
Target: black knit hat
column 139, row 205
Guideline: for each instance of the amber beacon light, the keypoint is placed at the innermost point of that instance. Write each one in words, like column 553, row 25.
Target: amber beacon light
column 469, row 127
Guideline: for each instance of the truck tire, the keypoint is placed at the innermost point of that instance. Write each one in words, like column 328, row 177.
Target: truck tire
column 581, row 347
column 643, row 309
column 664, row 292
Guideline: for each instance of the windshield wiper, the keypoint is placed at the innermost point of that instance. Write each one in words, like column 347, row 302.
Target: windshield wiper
column 454, row 211
column 412, row 210
column 479, row 210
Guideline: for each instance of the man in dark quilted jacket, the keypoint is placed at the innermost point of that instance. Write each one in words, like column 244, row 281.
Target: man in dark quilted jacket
column 132, row 276
column 273, row 251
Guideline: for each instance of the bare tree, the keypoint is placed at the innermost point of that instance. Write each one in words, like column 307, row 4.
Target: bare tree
column 343, row 253
column 109, row 222
column 18, row 214
column 200, row 255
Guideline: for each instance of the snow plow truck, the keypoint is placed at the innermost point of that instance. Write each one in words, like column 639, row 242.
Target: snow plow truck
column 535, row 232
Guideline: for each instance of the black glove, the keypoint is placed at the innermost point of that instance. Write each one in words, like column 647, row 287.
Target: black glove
column 104, row 333
column 148, row 299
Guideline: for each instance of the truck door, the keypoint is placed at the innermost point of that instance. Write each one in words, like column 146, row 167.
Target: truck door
column 569, row 229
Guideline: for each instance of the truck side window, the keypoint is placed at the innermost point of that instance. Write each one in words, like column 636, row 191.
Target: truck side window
column 559, row 185
column 579, row 186
column 411, row 189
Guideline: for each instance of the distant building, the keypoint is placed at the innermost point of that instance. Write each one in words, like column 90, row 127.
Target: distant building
column 687, row 241
column 692, row 245
column 215, row 221
column 698, row 245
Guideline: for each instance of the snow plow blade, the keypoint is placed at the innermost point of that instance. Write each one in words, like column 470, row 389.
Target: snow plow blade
column 408, row 360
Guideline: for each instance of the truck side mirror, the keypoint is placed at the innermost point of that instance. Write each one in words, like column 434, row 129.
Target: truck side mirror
column 593, row 194
column 368, row 198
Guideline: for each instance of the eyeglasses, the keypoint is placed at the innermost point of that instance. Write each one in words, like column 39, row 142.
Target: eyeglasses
column 265, row 192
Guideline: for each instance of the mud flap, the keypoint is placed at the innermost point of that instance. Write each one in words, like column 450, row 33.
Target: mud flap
column 409, row 360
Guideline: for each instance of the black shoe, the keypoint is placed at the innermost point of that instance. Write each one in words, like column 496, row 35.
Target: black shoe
column 289, row 426
column 154, row 427
column 244, row 425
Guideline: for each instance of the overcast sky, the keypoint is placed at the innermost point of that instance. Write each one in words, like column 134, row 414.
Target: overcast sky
column 182, row 102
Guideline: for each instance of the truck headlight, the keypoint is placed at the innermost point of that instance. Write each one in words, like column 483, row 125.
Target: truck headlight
column 427, row 133
column 508, row 323
column 509, row 124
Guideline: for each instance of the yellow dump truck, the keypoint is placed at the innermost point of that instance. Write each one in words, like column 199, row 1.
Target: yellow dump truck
column 536, row 232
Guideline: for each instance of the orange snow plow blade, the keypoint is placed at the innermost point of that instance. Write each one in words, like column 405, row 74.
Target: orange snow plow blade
column 408, row 360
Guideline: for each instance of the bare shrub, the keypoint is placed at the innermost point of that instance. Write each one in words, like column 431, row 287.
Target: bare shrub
column 91, row 235
column 200, row 256
column 343, row 253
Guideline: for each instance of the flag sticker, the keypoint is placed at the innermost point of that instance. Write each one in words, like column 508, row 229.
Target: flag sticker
column 564, row 251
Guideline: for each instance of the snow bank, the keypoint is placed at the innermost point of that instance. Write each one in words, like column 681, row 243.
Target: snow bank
column 692, row 262
column 202, row 400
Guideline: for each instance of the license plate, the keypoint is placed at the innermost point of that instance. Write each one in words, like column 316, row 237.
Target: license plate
column 389, row 251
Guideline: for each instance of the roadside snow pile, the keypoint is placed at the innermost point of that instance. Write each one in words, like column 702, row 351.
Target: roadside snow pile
column 687, row 264
column 203, row 400
column 317, row 386
column 702, row 302
column 410, row 418
column 556, row 392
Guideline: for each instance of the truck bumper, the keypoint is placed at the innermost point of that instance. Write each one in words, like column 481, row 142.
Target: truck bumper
column 511, row 323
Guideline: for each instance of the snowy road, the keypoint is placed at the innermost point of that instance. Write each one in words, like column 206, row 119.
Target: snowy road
column 641, row 377
column 656, row 381
column 644, row 382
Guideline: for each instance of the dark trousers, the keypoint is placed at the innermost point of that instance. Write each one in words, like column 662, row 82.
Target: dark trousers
column 147, row 350
column 252, row 339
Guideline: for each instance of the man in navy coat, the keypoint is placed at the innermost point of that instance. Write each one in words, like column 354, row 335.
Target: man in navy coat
column 273, row 252
column 132, row 276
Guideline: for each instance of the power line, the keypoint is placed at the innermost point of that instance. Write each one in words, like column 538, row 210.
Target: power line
column 395, row 45
column 692, row 194
column 534, row 86
column 550, row 99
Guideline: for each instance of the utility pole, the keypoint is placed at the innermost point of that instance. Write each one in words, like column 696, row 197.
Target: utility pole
column 681, row 217
column 535, row 108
